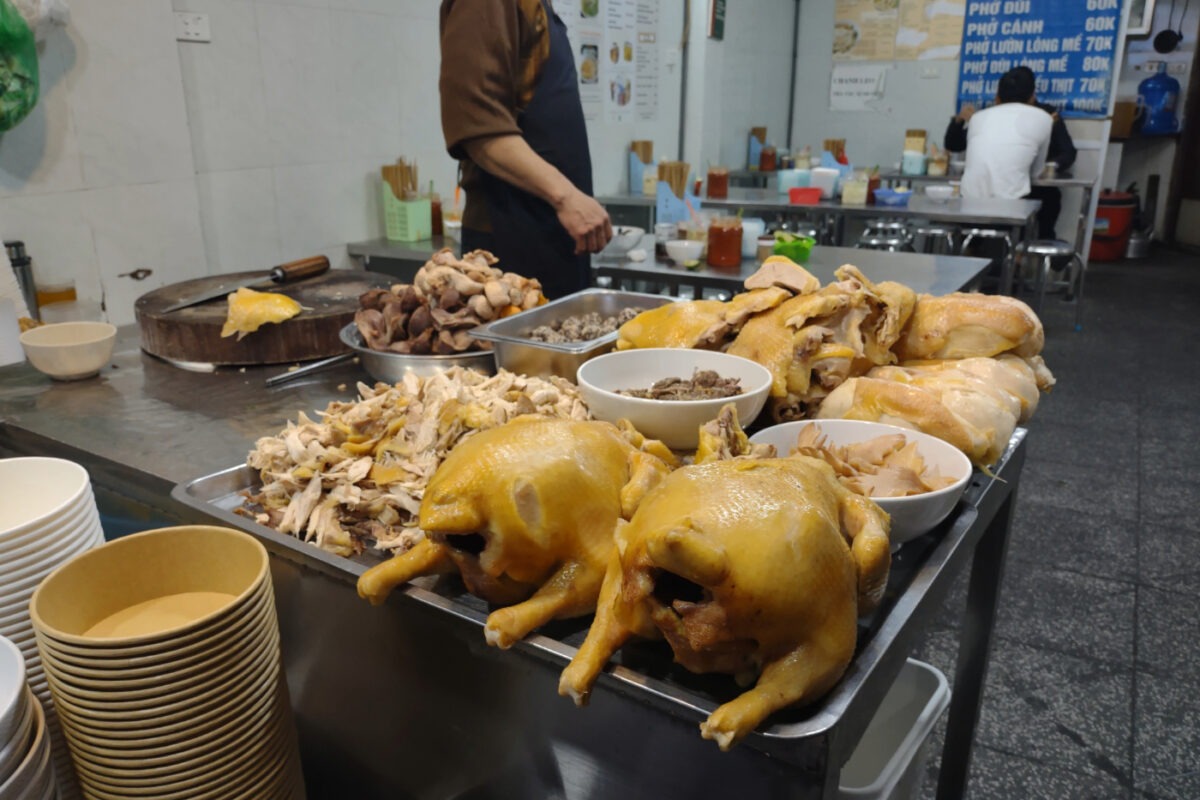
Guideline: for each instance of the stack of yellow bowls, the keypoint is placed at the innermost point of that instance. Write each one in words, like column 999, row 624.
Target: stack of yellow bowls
column 161, row 650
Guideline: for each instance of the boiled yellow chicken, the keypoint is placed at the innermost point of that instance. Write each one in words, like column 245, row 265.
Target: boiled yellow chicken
column 705, row 324
column 813, row 342
column 754, row 567
column 972, row 403
column 250, row 310
column 722, row 439
column 968, row 325
column 525, row 513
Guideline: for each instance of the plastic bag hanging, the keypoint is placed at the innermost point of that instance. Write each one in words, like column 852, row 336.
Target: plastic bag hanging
column 18, row 67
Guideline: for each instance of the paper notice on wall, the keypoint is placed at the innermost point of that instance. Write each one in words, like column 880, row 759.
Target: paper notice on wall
column 584, row 30
column 865, row 30
column 856, row 87
column 645, row 60
column 617, row 53
column 929, row 29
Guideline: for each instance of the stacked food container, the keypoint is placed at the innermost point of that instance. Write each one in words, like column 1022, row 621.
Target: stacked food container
column 161, row 650
column 26, row 772
column 48, row 515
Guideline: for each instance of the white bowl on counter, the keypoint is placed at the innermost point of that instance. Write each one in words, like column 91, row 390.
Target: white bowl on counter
column 939, row 192
column 69, row 351
column 675, row 422
column 625, row 238
column 911, row 516
column 683, row 251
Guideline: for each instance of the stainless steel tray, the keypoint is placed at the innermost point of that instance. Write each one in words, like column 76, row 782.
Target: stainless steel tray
column 392, row 367
column 515, row 351
column 644, row 671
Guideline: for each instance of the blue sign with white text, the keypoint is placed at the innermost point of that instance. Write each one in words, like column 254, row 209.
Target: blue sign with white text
column 1069, row 45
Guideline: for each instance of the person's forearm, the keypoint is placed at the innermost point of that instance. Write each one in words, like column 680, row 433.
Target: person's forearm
column 512, row 160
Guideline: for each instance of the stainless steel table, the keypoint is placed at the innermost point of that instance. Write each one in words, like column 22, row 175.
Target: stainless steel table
column 1083, row 218
column 1018, row 217
column 406, row 700
column 401, row 259
column 926, row 274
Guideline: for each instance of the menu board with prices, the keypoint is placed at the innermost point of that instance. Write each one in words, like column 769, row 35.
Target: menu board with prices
column 1070, row 46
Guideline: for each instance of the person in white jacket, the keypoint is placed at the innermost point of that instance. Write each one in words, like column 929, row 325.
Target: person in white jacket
column 1007, row 143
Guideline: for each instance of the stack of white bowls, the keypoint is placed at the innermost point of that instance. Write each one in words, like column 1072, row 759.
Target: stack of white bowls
column 48, row 515
column 25, row 768
column 162, row 653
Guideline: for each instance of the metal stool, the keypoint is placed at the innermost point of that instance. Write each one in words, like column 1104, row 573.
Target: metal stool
column 890, row 244
column 936, row 239
column 1007, row 262
column 1047, row 251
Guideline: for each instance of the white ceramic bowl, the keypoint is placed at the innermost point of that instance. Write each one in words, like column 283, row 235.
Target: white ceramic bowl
column 12, row 688
column 675, row 422
column 911, row 516
column 682, row 251
column 939, row 192
column 69, row 351
column 37, row 491
column 625, row 238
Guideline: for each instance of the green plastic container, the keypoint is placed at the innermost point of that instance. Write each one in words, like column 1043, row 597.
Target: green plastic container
column 797, row 249
column 405, row 220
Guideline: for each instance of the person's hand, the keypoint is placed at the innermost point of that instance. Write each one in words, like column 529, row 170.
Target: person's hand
column 965, row 113
column 586, row 221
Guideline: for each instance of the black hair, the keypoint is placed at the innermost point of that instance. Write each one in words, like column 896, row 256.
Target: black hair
column 1016, row 86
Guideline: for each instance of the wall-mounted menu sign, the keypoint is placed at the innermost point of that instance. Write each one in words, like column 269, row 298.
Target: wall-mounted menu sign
column 1070, row 46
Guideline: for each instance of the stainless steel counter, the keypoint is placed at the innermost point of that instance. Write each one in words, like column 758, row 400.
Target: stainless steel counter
column 406, row 700
column 925, row 274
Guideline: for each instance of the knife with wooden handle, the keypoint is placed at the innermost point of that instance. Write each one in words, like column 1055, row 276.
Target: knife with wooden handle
column 284, row 273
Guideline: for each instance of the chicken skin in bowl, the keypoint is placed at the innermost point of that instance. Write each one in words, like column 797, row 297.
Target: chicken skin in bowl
column 525, row 513
column 754, row 567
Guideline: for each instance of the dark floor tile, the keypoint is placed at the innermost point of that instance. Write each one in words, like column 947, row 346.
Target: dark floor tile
column 1168, row 634
column 997, row 775
column 1169, row 490
column 1067, row 612
column 1058, row 709
column 1103, row 546
column 1169, row 552
column 1104, row 446
column 1167, row 737
column 1091, row 490
column 1167, row 425
column 1165, row 452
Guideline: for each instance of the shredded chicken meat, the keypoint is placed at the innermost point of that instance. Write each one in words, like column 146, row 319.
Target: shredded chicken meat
column 357, row 474
column 886, row 466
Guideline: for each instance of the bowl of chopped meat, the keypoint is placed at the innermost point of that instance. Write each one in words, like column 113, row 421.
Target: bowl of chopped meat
column 558, row 337
column 668, row 393
column 916, row 478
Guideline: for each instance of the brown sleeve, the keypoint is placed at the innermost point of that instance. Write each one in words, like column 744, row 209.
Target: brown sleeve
column 479, row 80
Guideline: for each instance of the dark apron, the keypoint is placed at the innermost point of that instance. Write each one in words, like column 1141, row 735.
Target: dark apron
column 526, row 235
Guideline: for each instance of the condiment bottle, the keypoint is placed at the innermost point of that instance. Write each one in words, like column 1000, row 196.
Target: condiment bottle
column 435, row 212
column 718, row 183
column 725, row 242
column 766, row 159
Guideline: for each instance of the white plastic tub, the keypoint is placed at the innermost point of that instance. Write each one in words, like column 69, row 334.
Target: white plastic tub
column 889, row 762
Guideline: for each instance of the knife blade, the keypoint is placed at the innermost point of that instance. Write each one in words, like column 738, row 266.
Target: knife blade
column 284, row 273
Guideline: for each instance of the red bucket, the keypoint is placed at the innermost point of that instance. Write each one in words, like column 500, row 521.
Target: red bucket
column 1114, row 225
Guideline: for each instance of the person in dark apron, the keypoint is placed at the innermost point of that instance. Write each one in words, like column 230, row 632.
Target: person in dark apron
column 541, row 219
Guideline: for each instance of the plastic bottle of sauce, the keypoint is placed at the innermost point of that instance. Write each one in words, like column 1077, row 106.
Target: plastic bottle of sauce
column 435, row 211
column 725, row 242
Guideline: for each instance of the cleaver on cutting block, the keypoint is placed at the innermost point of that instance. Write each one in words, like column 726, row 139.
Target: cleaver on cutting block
column 284, row 273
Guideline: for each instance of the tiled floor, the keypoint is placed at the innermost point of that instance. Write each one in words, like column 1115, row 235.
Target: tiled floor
column 1093, row 689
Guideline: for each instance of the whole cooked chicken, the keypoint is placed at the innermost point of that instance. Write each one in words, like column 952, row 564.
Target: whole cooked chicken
column 755, row 567
column 525, row 513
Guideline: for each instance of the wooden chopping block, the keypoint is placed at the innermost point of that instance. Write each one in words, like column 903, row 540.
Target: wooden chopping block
column 194, row 333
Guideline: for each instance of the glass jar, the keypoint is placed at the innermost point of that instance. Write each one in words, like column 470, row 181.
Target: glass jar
column 725, row 242
column 718, row 183
column 766, row 159
column 766, row 248
column 435, row 212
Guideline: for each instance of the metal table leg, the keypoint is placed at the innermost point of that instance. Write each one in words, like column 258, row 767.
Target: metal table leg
column 974, row 648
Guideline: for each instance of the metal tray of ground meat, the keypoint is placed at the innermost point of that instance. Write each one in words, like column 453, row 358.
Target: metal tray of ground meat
column 516, row 352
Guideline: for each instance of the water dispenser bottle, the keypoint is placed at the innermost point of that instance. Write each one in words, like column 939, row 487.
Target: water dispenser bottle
column 1158, row 97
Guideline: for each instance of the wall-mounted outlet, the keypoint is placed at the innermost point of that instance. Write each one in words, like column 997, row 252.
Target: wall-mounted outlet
column 929, row 72
column 1177, row 68
column 190, row 27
